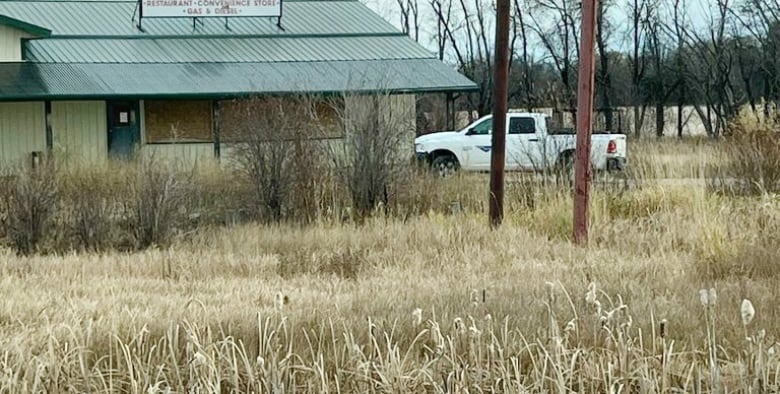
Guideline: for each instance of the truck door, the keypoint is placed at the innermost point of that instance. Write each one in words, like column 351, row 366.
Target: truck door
column 478, row 145
column 524, row 146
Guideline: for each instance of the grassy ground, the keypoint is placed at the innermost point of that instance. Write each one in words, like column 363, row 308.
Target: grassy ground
column 432, row 303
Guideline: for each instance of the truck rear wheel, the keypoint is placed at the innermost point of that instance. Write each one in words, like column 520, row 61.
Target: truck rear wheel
column 445, row 165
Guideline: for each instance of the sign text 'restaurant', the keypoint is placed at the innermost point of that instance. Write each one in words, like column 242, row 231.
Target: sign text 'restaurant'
column 210, row 8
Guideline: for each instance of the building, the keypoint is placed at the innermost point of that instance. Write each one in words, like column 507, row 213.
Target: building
column 90, row 80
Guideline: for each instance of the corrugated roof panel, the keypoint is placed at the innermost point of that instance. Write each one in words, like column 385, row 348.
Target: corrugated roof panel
column 226, row 50
column 29, row 81
column 93, row 18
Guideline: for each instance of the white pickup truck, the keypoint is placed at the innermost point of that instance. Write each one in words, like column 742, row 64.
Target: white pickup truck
column 532, row 144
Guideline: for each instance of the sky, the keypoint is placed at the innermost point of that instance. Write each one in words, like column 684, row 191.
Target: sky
column 697, row 11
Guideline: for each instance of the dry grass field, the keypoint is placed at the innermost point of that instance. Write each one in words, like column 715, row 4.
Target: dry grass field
column 435, row 302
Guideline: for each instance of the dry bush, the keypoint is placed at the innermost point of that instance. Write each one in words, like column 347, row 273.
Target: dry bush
column 746, row 248
column 30, row 199
column 92, row 200
column 279, row 155
column 215, row 197
column 158, row 203
column 376, row 151
column 750, row 159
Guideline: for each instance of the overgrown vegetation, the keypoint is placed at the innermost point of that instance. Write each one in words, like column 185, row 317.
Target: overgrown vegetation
column 750, row 159
column 674, row 293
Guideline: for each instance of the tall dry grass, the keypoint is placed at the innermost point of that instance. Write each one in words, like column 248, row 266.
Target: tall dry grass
column 421, row 297
column 433, row 303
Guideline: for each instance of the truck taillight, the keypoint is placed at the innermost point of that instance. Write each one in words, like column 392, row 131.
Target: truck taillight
column 612, row 146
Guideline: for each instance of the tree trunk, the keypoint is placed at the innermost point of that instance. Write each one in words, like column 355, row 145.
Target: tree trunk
column 659, row 119
column 638, row 121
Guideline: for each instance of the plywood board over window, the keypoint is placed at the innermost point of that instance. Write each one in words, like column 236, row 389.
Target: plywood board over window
column 244, row 119
column 178, row 121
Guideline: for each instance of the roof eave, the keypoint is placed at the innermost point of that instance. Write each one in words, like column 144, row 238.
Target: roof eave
column 227, row 95
column 35, row 30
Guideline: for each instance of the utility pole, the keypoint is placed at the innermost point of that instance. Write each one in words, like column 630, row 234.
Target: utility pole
column 584, row 121
column 500, row 98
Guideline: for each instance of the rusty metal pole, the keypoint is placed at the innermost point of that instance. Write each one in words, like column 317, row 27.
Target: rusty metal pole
column 500, row 98
column 584, row 121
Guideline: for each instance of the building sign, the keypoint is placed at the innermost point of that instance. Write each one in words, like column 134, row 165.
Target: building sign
column 210, row 8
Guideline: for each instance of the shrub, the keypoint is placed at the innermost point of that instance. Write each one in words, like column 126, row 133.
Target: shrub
column 378, row 130
column 31, row 199
column 157, row 205
column 90, row 200
column 751, row 159
column 280, row 157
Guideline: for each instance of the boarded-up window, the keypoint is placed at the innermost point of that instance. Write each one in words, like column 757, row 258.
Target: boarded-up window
column 239, row 119
column 178, row 121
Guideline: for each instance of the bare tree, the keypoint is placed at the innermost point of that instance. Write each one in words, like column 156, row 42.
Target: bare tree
column 761, row 20
column 410, row 18
column 638, row 64
column 468, row 39
column 714, row 60
column 525, row 90
column 604, row 80
column 560, row 40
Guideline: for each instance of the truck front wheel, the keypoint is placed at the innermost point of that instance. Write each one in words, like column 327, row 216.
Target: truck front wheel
column 445, row 165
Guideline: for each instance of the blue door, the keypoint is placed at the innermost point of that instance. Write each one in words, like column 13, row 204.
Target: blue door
column 124, row 132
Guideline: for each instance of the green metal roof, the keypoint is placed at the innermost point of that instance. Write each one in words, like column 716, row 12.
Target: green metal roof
column 50, row 81
column 224, row 50
column 96, row 51
column 114, row 18
column 24, row 26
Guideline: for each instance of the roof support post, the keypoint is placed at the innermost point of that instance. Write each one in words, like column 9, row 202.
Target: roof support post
column 215, row 128
column 450, row 111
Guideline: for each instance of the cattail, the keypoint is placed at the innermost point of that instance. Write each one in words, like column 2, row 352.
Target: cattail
column 417, row 317
column 460, row 328
column 748, row 312
column 474, row 297
column 279, row 301
column 663, row 328
column 199, row 360
column 590, row 296
column 704, row 297
column 713, row 297
column 550, row 291
column 435, row 333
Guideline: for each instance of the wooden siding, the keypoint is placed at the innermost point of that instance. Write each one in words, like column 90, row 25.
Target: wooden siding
column 180, row 154
column 79, row 130
column 22, row 131
column 11, row 44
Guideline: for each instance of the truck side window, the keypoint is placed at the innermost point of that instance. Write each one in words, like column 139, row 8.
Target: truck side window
column 522, row 126
column 483, row 128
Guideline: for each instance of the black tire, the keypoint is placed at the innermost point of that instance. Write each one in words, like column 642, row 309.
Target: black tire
column 445, row 165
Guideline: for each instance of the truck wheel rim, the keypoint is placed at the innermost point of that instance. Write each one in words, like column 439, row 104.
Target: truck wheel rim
column 446, row 168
